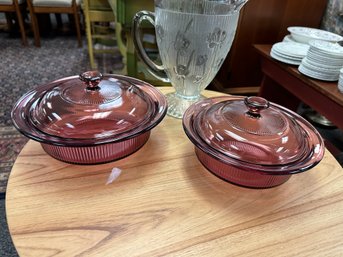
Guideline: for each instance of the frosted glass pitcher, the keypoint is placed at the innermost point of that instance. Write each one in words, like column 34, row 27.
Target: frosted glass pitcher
column 193, row 38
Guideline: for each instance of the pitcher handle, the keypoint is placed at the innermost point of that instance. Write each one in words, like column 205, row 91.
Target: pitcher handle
column 154, row 69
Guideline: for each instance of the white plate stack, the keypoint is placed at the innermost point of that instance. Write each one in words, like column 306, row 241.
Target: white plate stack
column 289, row 52
column 323, row 61
column 340, row 81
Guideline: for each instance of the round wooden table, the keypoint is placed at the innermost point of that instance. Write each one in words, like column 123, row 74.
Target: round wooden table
column 166, row 203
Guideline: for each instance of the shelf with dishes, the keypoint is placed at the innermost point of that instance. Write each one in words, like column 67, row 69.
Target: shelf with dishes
column 317, row 53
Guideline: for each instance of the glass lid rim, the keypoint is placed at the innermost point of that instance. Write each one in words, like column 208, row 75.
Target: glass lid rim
column 24, row 125
column 201, row 136
column 36, row 103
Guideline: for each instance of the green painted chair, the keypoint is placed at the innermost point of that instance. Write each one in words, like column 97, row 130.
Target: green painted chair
column 98, row 15
column 124, row 12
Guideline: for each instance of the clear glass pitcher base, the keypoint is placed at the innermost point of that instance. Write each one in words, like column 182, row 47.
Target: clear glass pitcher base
column 177, row 105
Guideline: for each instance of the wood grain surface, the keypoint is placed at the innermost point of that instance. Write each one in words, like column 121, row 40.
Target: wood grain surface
column 165, row 203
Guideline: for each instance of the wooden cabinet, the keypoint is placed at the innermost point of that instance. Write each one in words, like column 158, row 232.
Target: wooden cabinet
column 262, row 22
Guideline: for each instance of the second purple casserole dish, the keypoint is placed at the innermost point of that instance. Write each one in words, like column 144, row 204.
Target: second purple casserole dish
column 90, row 118
column 251, row 142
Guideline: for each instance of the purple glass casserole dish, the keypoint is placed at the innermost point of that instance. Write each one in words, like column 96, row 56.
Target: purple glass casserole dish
column 91, row 118
column 251, row 142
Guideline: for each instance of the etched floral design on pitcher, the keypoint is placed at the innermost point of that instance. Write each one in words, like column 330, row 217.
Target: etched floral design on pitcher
column 193, row 39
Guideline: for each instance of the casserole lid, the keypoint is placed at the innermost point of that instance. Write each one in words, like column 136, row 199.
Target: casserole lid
column 89, row 109
column 251, row 131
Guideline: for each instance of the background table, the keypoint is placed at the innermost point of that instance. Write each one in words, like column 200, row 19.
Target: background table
column 166, row 203
column 284, row 84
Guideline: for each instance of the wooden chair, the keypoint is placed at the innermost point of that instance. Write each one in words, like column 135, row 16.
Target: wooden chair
column 54, row 6
column 17, row 7
column 97, row 13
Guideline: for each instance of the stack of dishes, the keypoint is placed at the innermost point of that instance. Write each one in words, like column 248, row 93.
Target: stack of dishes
column 289, row 52
column 289, row 38
column 323, row 61
column 305, row 35
column 340, row 81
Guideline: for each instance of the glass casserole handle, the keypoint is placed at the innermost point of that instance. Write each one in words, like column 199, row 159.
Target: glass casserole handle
column 255, row 105
column 91, row 79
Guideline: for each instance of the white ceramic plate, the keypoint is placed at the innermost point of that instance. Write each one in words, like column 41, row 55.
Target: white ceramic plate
column 329, row 48
column 302, row 69
column 324, row 63
column 318, row 67
column 325, row 58
column 340, row 84
column 288, row 38
column 284, row 60
column 292, row 49
column 305, row 34
column 293, row 58
column 321, row 54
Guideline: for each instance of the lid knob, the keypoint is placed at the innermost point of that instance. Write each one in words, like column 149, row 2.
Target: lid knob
column 91, row 79
column 255, row 105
